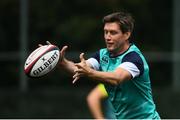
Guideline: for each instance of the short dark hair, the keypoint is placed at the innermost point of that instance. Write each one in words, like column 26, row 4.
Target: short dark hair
column 125, row 20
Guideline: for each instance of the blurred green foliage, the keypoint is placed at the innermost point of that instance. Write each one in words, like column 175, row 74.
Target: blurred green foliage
column 77, row 23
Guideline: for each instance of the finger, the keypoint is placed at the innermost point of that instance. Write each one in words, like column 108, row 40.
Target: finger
column 79, row 66
column 82, row 57
column 63, row 50
column 78, row 74
column 77, row 78
column 47, row 42
column 62, row 53
column 40, row 45
column 75, row 75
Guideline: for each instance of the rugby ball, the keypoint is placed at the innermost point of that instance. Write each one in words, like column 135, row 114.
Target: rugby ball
column 41, row 61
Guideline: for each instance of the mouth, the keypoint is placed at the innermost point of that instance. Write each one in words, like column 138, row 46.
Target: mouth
column 109, row 44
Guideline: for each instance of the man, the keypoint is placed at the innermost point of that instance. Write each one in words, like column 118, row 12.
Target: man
column 98, row 104
column 121, row 67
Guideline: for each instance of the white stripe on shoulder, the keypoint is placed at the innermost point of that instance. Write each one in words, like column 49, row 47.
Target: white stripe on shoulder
column 94, row 63
column 130, row 67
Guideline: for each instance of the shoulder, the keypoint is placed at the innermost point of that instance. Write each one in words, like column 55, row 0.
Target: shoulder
column 134, row 58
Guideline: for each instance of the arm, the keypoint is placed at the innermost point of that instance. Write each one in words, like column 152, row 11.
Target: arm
column 94, row 101
column 68, row 65
column 114, row 78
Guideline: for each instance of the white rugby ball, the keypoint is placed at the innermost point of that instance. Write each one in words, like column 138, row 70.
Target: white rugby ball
column 41, row 61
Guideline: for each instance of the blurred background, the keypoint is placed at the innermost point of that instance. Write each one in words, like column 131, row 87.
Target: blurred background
column 78, row 23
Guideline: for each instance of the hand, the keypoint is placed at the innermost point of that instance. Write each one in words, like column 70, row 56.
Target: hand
column 62, row 51
column 62, row 54
column 82, row 69
column 47, row 42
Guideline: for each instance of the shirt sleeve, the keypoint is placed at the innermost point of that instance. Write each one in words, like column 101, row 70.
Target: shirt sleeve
column 103, row 89
column 133, row 63
column 94, row 61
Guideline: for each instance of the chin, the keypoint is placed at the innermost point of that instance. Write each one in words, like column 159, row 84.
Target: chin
column 110, row 50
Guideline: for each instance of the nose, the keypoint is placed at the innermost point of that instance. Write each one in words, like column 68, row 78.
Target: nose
column 107, row 36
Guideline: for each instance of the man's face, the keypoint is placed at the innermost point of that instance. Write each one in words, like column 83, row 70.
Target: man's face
column 114, row 38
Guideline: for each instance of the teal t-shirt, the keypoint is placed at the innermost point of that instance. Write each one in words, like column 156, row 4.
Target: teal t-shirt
column 130, row 99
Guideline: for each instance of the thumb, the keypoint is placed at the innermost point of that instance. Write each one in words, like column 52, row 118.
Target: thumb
column 82, row 57
column 63, row 50
column 47, row 42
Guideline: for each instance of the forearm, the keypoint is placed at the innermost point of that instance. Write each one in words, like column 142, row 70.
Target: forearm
column 94, row 102
column 68, row 65
column 95, row 108
column 115, row 77
column 108, row 77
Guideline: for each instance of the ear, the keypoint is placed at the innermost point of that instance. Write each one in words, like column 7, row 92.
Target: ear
column 127, row 35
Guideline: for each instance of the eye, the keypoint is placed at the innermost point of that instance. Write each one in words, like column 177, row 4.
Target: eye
column 105, row 32
column 113, row 32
